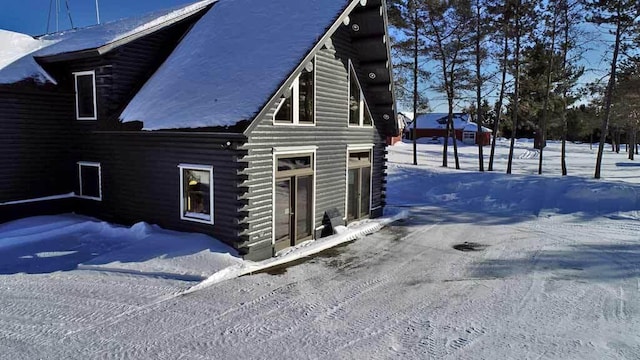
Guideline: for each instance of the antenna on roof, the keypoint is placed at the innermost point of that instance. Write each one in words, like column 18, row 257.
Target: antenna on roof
column 69, row 13
column 57, row 15
column 49, row 17
column 97, row 11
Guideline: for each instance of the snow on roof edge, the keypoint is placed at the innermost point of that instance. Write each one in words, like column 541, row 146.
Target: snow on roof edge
column 129, row 114
column 156, row 23
column 22, row 65
column 166, row 20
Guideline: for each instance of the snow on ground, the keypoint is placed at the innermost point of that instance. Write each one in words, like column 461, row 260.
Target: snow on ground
column 65, row 242
column 555, row 275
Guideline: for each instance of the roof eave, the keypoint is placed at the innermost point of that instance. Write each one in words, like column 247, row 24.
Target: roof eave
column 67, row 56
column 130, row 38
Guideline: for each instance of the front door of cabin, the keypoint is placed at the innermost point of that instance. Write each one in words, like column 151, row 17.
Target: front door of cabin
column 293, row 208
column 359, row 185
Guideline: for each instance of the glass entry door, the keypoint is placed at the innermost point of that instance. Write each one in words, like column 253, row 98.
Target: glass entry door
column 293, row 208
column 283, row 214
column 359, row 185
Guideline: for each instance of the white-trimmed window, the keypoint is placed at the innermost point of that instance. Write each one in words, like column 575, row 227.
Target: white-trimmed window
column 196, row 193
column 85, row 87
column 90, row 180
column 468, row 137
column 359, row 114
column 298, row 105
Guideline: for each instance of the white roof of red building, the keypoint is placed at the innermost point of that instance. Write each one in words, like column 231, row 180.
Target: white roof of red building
column 461, row 121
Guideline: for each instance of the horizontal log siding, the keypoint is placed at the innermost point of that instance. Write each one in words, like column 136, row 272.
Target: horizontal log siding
column 34, row 134
column 120, row 73
column 141, row 180
column 331, row 135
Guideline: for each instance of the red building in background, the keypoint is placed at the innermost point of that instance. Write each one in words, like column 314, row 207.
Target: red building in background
column 434, row 125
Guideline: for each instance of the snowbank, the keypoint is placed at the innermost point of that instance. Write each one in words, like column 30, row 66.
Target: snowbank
column 72, row 241
column 522, row 194
column 140, row 249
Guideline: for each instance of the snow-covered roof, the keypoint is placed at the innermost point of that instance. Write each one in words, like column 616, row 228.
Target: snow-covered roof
column 15, row 50
column 96, row 36
column 439, row 121
column 17, row 63
column 474, row 127
column 231, row 62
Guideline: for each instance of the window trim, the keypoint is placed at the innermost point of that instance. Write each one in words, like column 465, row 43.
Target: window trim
column 350, row 149
column 90, row 164
column 363, row 102
column 295, row 101
column 469, row 135
column 209, row 168
column 286, row 152
column 95, row 97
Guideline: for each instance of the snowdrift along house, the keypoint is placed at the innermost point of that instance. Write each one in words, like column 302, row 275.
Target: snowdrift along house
column 244, row 119
column 435, row 125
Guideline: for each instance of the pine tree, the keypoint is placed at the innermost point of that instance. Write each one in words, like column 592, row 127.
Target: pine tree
column 501, row 12
column 481, row 31
column 524, row 23
column 571, row 16
column 447, row 25
column 407, row 17
column 620, row 16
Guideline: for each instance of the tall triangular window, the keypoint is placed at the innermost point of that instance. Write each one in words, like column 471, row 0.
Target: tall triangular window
column 359, row 114
column 298, row 103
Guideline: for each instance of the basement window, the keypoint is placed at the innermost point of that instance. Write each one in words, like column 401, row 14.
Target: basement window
column 297, row 106
column 359, row 114
column 196, row 193
column 90, row 180
column 85, row 87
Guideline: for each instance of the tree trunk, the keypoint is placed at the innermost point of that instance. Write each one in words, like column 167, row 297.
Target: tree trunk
column 496, row 125
column 479, row 117
column 455, row 142
column 445, row 146
column 631, row 143
column 613, row 141
column 627, row 142
column 565, row 54
column 452, row 128
column 608, row 98
column 545, row 109
column 516, row 87
column 415, row 82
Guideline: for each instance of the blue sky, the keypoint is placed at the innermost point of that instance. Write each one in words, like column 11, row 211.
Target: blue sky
column 30, row 16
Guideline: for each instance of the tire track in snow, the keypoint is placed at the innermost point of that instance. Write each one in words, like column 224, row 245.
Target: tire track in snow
column 270, row 331
column 40, row 309
column 208, row 339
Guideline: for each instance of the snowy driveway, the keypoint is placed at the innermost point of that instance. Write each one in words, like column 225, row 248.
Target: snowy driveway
column 557, row 276
column 404, row 292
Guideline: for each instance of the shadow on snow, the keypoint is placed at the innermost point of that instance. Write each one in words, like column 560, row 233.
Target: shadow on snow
column 62, row 242
column 495, row 199
column 601, row 262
